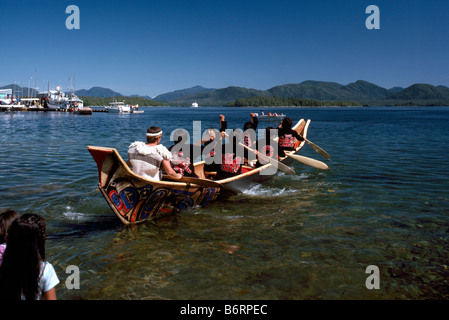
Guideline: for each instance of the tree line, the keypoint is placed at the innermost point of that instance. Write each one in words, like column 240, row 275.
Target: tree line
column 98, row 101
column 287, row 102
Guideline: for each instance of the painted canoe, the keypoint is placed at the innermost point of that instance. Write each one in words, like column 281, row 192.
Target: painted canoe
column 271, row 118
column 135, row 199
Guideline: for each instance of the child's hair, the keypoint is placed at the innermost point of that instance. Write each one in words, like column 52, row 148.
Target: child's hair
column 6, row 219
column 24, row 254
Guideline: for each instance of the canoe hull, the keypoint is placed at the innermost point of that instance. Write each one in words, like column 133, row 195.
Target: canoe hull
column 134, row 199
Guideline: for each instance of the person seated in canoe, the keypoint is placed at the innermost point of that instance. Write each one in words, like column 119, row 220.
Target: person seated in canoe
column 267, row 146
column 232, row 155
column 211, row 142
column 183, row 154
column 149, row 159
column 287, row 137
column 249, row 131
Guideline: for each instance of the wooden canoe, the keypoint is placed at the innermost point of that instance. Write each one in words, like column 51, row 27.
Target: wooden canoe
column 271, row 118
column 135, row 199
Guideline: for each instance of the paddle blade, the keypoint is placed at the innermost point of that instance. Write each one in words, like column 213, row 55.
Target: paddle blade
column 318, row 149
column 309, row 161
column 284, row 168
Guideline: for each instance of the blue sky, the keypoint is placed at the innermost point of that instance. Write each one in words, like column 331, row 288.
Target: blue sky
column 153, row 47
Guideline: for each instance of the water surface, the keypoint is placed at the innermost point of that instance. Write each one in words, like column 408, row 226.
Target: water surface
column 384, row 201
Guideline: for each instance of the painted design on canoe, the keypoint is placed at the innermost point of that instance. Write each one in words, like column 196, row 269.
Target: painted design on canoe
column 134, row 199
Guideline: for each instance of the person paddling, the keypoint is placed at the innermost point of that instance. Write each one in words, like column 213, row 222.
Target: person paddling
column 267, row 146
column 249, row 131
column 211, row 144
column 232, row 156
column 287, row 136
column 183, row 154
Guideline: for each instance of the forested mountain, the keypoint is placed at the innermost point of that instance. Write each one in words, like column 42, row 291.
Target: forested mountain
column 170, row 96
column 356, row 93
column 421, row 91
column 312, row 93
column 98, row 92
column 99, row 101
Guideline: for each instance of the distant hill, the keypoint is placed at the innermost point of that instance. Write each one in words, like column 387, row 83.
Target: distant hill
column 139, row 96
column 219, row 97
column 98, row 92
column 422, row 91
column 104, row 101
column 356, row 93
column 395, row 90
column 170, row 96
column 19, row 91
column 360, row 92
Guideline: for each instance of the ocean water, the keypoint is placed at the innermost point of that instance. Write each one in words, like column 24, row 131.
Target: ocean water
column 383, row 202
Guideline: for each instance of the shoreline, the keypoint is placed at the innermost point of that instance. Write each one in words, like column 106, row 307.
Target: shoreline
column 4, row 109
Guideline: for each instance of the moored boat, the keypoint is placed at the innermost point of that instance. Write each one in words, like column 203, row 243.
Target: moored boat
column 135, row 199
column 83, row 110
column 55, row 99
column 118, row 107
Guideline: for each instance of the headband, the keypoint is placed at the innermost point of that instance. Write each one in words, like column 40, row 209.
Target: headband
column 154, row 134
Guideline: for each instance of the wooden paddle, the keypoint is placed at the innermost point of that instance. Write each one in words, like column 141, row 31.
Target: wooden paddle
column 318, row 149
column 201, row 182
column 309, row 161
column 284, row 168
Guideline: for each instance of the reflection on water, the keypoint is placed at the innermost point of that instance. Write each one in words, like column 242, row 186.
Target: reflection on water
column 383, row 202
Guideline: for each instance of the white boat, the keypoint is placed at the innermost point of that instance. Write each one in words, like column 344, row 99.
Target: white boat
column 118, row 107
column 6, row 96
column 195, row 105
column 6, row 99
column 75, row 101
column 56, row 99
column 135, row 109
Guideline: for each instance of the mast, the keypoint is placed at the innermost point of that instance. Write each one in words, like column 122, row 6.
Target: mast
column 34, row 88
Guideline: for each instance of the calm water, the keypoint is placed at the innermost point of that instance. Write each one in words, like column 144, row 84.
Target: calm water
column 384, row 202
